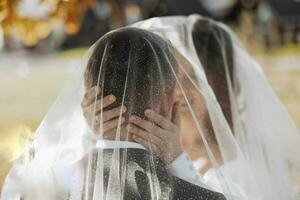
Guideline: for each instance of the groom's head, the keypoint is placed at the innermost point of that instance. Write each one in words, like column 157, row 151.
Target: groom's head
column 137, row 67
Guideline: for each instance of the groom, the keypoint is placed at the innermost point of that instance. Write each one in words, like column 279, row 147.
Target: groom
column 134, row 71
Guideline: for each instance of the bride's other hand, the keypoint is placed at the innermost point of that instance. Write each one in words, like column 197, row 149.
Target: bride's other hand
column 158, row 134
column 91, row 107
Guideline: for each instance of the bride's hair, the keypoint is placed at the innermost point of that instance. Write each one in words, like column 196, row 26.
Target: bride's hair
column 215, row 51
column 134, row 64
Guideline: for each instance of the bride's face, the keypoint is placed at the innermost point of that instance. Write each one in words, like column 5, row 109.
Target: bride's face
column 188, row 92
column 193, row 109
column 195, row 105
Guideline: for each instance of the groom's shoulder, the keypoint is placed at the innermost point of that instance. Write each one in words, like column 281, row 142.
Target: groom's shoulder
column 138, row 164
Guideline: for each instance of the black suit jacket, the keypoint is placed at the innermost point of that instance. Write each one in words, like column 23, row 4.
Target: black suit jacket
column 144, row 172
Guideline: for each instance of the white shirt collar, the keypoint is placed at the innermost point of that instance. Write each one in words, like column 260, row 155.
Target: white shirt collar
column 113, row 144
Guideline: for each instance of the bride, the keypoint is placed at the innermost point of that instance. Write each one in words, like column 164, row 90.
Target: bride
column 263, row 129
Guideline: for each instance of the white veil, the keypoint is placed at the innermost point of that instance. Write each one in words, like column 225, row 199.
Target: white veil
column 264, row 130
column 166, row 48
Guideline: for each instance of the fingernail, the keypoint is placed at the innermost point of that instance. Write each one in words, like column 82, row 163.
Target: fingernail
column 134, row 118
column 148, row 111
column 112, row 97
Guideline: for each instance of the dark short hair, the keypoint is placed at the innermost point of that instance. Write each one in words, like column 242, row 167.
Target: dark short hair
column 134, row 63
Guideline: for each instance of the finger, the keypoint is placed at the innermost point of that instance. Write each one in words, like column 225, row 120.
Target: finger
column 110, row 114
column 99, row 104
column 159, row 119
column 176, row 115
column 148, row 126
column 113, row 124
column 134, row 130
column 148, row 145
column 111, row 134
column 90, row 96
column 108, row 125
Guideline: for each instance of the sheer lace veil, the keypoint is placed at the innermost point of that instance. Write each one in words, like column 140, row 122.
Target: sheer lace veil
column 150, row 65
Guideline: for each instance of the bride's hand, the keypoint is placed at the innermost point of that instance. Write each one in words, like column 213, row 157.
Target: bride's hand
column 159, row 135
column 92, row 110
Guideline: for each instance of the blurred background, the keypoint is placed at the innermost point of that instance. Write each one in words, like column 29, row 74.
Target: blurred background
column 42, row 41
